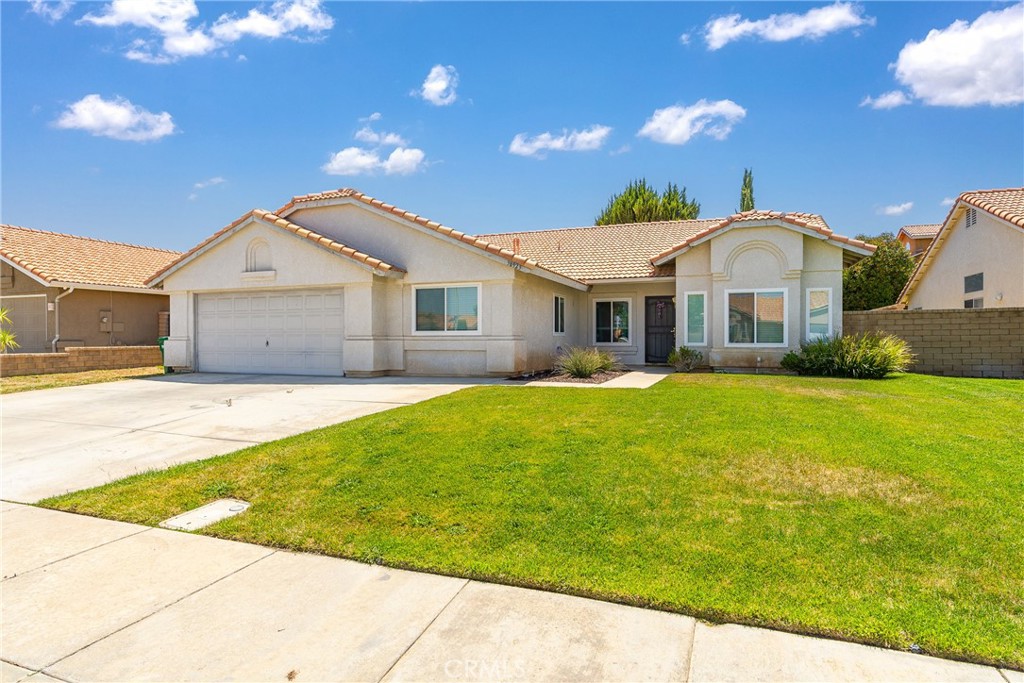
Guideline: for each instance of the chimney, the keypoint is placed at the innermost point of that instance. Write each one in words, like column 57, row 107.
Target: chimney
column 515, row 245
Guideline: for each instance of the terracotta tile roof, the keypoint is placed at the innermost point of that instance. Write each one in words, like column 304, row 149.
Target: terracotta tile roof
column 811, row 221
column 58, row 258
column 602, row 252
column 920, row 232
column 274, row 219
column 1007, row 204
column 349, row 193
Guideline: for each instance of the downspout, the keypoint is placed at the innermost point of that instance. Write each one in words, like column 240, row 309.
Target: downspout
column 56, row 315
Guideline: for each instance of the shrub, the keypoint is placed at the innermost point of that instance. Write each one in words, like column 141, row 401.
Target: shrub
column 684, row 359
column 582, row 362
column 866, row 356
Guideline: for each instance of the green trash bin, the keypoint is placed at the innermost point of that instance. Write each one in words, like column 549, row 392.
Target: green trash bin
column 160, row 342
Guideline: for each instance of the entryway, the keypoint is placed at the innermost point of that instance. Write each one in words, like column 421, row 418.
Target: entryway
column 660, row 328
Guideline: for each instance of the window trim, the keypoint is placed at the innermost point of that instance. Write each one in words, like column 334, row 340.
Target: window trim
column 807, row 318
column 686, row 318
column 593, row 327
column 785, row 318
column 979, row 289
column 558, row 299
column 449, row 333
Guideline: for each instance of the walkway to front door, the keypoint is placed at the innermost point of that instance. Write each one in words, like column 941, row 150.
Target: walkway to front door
column 660, row 325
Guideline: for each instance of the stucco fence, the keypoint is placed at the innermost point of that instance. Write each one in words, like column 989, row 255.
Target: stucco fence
column 79, row 359
column 957, row 342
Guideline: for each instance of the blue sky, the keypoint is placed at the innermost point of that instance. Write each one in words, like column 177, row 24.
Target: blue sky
column 158, row 123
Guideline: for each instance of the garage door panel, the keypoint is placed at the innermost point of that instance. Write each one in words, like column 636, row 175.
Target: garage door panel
column 293, row 333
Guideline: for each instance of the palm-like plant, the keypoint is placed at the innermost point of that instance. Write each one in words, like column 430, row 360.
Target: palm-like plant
column 7, row 336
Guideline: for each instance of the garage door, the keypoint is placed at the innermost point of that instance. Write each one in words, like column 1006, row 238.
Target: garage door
column 28, row 321
column 288, row 333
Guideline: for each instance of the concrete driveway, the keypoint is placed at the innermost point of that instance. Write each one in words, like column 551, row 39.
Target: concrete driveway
column 59, row 440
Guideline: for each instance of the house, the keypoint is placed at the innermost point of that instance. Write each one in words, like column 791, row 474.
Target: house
column 916, row 238
column 977, row 257
column 62, row 290
column 342, row 283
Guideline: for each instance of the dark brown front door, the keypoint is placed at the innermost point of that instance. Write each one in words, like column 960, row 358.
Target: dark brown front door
column 660, row 326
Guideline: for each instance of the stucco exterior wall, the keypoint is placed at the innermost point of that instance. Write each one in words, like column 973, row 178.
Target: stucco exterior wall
column 634, row 351
column 991, row 247
column 133, row 317
column 757, row 258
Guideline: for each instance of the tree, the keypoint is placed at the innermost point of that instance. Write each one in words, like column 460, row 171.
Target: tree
column 640, row 203
column 7, row 341
column 747, row 191
column 877, row 280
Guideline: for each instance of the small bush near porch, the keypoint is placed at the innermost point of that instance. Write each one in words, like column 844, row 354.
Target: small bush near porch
column 886, row 512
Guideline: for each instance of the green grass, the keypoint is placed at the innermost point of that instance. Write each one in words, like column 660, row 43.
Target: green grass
column 887, row 512
column 12, row 385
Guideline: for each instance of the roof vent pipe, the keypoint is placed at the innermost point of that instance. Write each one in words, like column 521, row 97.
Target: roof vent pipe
column 56, row 315
column 515, row 245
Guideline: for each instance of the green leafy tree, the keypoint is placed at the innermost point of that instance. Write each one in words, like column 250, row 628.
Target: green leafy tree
column 640, row 203
column 747, row 191
column 877, row 280
column 7, row 341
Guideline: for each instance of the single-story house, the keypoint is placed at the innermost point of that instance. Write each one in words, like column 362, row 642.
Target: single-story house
column 62, row 290
column 341, row 283
column 916, row 238
column 976, row 259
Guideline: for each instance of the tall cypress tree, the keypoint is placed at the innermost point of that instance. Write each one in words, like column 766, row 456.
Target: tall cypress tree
column 640, row 203
column 747, row 191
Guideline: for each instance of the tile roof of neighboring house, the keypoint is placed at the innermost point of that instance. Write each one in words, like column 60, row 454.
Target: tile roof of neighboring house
column 273, row 219
column 602, row 252
column 57, row 258
column 1006, row 204
column 920, row 232
column 808, row 221
column 348, row 193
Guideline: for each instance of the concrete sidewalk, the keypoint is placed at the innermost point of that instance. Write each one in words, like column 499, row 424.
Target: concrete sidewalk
column 90, row 599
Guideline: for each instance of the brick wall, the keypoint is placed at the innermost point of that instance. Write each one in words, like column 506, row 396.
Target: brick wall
column 958, row 343
column 79, row 359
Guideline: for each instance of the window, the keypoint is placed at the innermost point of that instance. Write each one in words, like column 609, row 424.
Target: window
column 611, row 321
column 819, row 313
column 971, row 219
column 559, row 315
column 448, row 310
column 974, row 303
column 974, row 283
column 694, row 315
column 756, row 317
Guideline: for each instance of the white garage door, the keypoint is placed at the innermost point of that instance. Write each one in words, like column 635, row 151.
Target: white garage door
column 287, row 333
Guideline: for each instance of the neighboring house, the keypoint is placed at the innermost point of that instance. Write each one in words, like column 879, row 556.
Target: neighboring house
column 916, row 238
column 63, row 290
column 341, row 283
column 977, row 257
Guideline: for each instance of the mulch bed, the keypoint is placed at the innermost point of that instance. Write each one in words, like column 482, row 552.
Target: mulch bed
column 552, row 376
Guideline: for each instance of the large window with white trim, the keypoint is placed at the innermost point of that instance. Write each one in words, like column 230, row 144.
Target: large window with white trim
column 755, row 317
column 612, row 319
column 695, row 311
column 451, row 309
column 819, row 313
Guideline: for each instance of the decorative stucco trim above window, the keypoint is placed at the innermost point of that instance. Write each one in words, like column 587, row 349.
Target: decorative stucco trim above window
column 448, row 316
column 786, row 273
column 259, row 276
column 744, row 328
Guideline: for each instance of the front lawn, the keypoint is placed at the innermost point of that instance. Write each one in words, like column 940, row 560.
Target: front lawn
column 11, row 385
column 887, row 512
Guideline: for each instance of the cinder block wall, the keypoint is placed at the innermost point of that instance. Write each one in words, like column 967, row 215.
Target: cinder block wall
column 79, row 359
column 957, row 342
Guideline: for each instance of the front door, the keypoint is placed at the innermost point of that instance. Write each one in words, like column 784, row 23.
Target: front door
column 660, row 325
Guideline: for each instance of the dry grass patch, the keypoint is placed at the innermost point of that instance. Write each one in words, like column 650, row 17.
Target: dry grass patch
column 10, row 385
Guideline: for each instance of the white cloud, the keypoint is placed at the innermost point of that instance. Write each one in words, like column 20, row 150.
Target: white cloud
column 51, row 11
column 439, row 86
column 537, row 146
column 375, row 116
column 896, row 209
column 968, row 64
column 117, row 118
column 203, row 184
column 404, row 161
column 948, row 201
column 176, row 38
column 677, row 124
column 814, row 23
column 372, row 137
column 889, row 100
column 685, row 39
